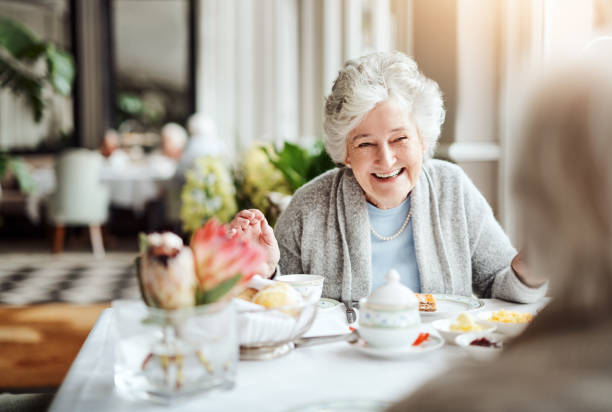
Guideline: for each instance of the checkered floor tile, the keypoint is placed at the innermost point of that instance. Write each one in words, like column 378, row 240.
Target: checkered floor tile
column 74, row 278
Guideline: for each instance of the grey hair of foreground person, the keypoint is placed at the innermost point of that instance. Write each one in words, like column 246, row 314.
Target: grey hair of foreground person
column 563, row 186
column 364, row 82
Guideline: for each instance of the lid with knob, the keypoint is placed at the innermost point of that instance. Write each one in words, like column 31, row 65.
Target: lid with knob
column 393, row 293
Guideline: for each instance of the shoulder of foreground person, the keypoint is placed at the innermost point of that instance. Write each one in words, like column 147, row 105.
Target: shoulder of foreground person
column 516, row 386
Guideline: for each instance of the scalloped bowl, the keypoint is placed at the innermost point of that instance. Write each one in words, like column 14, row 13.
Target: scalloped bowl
column 508, row 329
column 269, row 333
column 443, row 328
column 480, row 352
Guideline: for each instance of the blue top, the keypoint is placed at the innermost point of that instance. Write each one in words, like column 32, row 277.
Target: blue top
column 399, row 253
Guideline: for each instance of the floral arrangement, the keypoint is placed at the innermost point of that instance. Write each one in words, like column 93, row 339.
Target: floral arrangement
column 299, row 164
column 213, row 268
column 208, row 192
column 263, row 180
column 173, row 277
column 256, row 179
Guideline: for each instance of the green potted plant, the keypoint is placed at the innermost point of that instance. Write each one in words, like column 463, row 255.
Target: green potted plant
column 20, row 54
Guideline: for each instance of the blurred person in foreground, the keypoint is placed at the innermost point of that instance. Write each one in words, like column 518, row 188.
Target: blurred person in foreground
column 390, row 205
column 563, row 186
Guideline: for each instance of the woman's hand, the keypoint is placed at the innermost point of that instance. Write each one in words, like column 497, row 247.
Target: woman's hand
column 519, row 266
column 251, row 225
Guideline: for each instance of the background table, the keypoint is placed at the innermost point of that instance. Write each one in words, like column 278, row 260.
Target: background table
column 306, row 375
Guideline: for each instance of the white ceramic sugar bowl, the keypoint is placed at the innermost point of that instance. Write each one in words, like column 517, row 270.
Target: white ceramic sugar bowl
column 390, row 315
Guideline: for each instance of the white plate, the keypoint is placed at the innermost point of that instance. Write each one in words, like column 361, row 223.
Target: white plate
column 327, row 303
column 432, row 343
column 449, row 305
column 354, row 405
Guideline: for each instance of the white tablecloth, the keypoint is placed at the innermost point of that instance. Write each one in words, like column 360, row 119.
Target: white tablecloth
column 131, row 183
column 134, row 183
column 307, row 375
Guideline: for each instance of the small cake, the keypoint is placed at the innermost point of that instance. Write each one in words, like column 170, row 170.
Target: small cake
column 278, row 295
column 427, row 303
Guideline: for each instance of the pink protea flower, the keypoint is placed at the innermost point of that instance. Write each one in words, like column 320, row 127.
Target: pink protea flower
column 166, row 272
column 223, row 265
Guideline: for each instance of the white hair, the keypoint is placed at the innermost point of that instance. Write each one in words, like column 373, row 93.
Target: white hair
column 372, row 79
column 563, row 182
column 174, row 134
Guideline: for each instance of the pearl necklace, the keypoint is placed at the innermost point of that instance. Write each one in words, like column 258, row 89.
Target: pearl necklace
column 396, row 234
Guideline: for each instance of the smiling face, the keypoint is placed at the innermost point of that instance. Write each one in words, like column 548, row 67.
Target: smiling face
column 386, row 152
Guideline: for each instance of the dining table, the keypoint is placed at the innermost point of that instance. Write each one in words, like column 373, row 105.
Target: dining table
column 330, row 376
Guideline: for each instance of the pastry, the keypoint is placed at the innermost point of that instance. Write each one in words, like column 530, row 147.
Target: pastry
column 278, row 295
column 427, row 302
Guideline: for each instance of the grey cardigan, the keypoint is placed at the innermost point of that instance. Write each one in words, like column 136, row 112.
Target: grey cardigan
column 460, row 247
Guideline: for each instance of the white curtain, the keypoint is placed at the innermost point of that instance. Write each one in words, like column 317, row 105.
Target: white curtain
column 264, row 67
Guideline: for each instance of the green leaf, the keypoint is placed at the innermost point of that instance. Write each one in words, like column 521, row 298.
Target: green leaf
column 24, row 178
column 300, row 165
column 16, row 38
column 130, row 104
column 4, row 160
column 148, row 300
column 216, row 293
column 143, row 244
column 61, row 70
column 23, row 83
column 285, row 167
column 20, row 50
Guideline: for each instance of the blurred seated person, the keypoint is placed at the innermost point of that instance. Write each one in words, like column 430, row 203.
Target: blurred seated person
column 173, row 140
column 203, row 141
column 110, row 143
column 563, row 185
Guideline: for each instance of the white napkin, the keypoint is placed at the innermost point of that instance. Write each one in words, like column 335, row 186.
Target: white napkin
column 331, row 321
column 258, row 282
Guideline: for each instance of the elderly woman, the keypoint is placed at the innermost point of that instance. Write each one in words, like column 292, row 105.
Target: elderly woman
column 391, row 205
column 563, row 183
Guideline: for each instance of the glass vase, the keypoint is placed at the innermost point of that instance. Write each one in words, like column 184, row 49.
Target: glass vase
column 171, row 354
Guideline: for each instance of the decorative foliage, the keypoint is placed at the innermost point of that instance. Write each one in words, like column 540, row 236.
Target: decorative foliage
column 18, row 168
column 208, row 192
column 299, row 164
column 20, row 51
column 256, row 179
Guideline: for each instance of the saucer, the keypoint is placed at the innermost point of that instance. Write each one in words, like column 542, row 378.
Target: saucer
column 327, row 303
column 352, row 405
column 432, row 343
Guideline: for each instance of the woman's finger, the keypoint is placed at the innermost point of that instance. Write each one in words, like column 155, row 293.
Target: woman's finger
column 267, row 234
column 246, row 214
column 257, row 215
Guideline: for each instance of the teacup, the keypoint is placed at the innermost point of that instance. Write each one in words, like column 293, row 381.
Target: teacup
column 309, row 286
column 388, row 325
